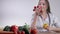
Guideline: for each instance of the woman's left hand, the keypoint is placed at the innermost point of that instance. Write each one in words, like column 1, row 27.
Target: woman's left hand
column 50, row 28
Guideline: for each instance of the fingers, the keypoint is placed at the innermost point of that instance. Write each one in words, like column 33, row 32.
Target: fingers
column 38, row 10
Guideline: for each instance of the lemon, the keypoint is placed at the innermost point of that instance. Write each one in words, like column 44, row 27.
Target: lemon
column 45, row 26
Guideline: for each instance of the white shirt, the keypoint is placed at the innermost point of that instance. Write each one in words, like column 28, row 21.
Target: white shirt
column 39, row 22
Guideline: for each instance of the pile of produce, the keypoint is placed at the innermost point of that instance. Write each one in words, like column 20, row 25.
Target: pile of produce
column 18, row 29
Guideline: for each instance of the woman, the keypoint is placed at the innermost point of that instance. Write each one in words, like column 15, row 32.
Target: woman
column 43, row 16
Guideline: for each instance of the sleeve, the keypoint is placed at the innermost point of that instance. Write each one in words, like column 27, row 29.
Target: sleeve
column 56, row 22
column 32, row 25
column 32, row 19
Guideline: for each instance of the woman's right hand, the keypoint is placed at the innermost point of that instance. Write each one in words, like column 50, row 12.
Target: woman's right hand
column 37, row 10
column 33, row 26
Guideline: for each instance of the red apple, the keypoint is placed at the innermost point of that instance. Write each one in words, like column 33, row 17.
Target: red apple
column 34, row 31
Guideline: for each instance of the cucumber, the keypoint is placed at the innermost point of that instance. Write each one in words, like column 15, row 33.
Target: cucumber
column 7, row 28
column 20, row 28
column 26, row 31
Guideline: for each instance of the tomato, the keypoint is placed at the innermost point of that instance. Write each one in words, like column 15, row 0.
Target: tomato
column 34, row 8
column 15, row 32
column 19, row 32
column 37, row 6
column 14, row 28
column 22, row 32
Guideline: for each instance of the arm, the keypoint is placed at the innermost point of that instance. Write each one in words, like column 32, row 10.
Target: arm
column 54, row 29
column 56, row 24
column 34, row 18
column 34, row 21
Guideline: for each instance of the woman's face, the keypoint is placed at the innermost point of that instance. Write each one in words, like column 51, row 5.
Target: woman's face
column 43, row 5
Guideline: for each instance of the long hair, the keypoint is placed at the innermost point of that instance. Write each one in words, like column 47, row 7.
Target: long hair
column 48, row 6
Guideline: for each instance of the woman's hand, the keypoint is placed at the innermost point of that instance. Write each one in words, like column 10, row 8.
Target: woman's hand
column 37, row 10
column 33, row 26
column 53, row 29
column 50, row 28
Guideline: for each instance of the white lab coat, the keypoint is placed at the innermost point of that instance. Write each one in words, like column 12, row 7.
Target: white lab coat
column 39, row 22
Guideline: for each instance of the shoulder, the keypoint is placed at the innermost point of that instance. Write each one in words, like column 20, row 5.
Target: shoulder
column 53, row 17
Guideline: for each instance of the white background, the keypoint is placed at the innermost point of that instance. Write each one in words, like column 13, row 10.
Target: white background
column 19, row 12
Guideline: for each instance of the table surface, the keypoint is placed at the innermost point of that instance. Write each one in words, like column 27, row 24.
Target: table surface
column 6, row 32
column 48, row 33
